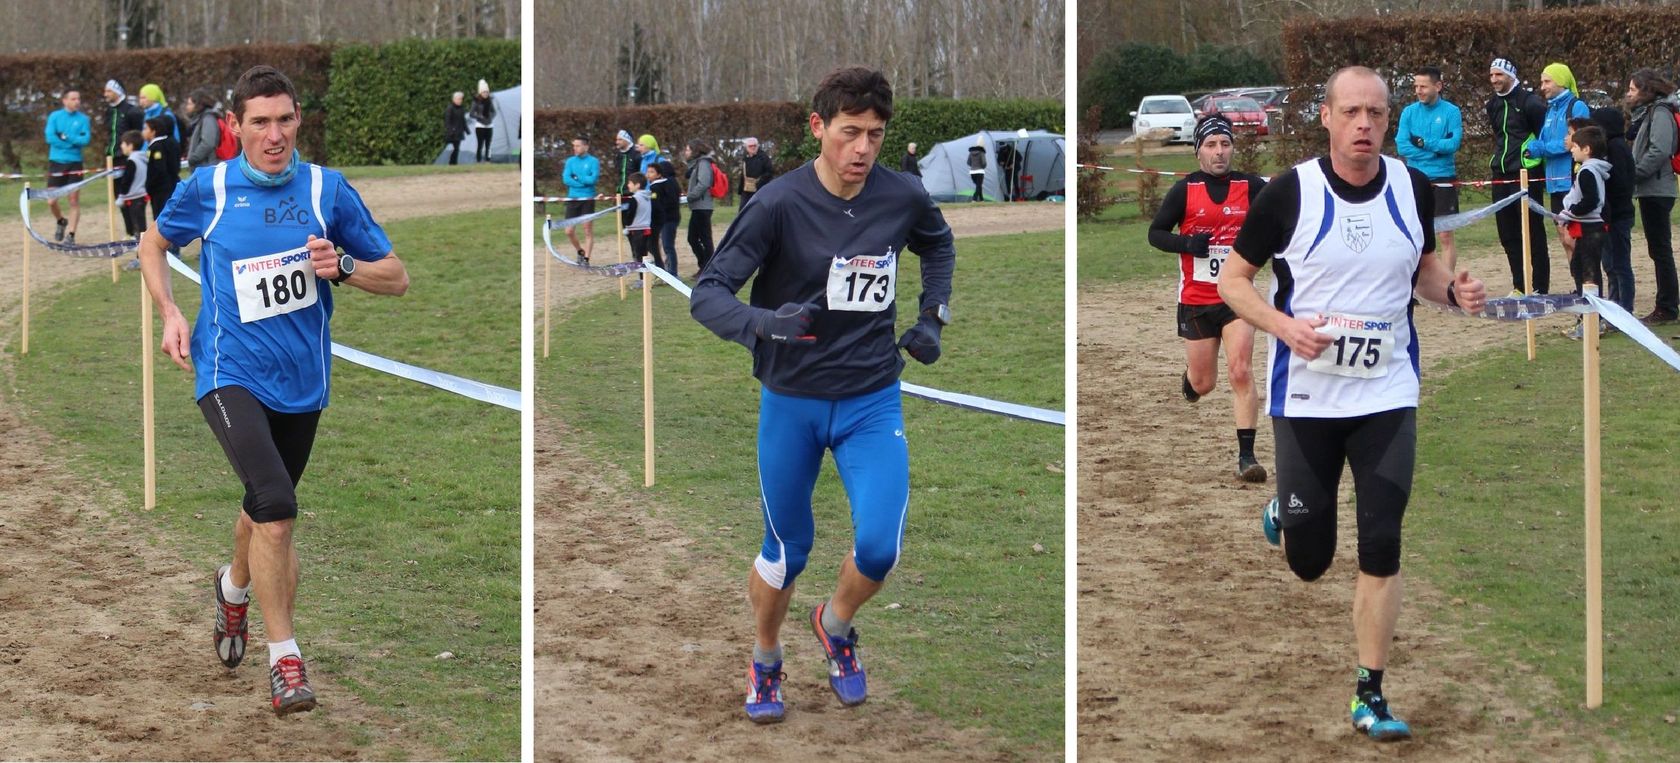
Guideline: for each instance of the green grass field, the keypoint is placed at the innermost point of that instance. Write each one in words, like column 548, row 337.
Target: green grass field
column 978, row 637
column 1497, row 522
column 410, row 531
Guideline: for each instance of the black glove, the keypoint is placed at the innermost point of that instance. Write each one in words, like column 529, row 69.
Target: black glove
column 788, row 323
column 922, row 340
column 1199, row 244
column 1417, row 140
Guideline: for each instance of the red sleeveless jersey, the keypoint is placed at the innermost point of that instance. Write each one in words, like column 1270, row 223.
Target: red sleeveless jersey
column 1198, row 277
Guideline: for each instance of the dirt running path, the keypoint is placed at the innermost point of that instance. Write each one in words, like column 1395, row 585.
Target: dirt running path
column 104, row 638
column 640, row 634
column 1195, row 640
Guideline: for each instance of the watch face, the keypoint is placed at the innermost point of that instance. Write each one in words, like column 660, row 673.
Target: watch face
column 346, row 265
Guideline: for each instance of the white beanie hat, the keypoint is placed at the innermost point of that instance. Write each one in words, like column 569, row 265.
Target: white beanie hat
column 483, row 87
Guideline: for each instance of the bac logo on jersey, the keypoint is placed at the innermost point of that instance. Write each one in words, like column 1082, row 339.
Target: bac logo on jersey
column 287, row 212
column 1356, row 232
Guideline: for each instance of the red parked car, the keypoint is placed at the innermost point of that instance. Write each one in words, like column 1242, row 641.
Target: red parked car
column 1246, row 115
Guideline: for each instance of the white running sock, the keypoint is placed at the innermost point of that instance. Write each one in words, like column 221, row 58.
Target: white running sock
column 278, row 649
column 232, row 594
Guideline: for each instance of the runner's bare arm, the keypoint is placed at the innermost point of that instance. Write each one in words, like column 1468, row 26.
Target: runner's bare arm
column 1236, row 288
column 177, row 334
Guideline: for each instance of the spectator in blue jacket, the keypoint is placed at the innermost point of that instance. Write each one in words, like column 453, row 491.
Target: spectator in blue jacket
column 650, row 153
column 1429, row 135
column 1557, row 84
column 580, row 174
column 68, row 132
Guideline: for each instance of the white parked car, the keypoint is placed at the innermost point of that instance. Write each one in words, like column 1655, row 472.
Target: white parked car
column 1157, row 111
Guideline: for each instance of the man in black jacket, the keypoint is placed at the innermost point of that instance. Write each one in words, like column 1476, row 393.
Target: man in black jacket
column 629, row 163
column 756, row 170
column 909, row 163
column 120, row 117
column 1517, row 114
column 455, row 125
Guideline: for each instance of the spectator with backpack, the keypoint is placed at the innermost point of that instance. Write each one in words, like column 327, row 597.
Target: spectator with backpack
column 704, row 186
column 212, row 138
column 1654, row 132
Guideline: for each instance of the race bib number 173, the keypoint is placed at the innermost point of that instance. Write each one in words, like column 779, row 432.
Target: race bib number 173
column 864, row 284
column 274, row 284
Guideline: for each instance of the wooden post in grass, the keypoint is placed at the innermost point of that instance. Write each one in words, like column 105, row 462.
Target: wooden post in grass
column 548, row 284
column 647, row 378
column 148, row 421
column 26, row 279
column 1528, row 265
column 618, row 241
column 1595, row 560
column 111, row 195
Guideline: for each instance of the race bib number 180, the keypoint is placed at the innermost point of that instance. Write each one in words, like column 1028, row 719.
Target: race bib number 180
column 1207, row 268
column 1360, row 346
column 863, row 284
column 274, row 284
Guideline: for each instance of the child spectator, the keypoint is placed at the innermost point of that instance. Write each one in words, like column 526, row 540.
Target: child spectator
column 163, row 162
column 1582, row 216
column 667, row 212
column 638, row 216
column 131, row 184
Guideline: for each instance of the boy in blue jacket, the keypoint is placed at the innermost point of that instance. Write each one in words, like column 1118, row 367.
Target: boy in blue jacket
column 580, row 174
column 1429, row 135
column 68, row 132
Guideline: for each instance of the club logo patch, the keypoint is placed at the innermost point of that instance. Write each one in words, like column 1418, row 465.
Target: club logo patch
column 1356, row 232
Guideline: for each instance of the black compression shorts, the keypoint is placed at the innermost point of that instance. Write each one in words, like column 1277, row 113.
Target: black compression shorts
column 1203, row 321
column 1381, row 451
column 266, row 448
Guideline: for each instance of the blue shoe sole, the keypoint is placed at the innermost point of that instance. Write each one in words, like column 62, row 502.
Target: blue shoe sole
column 1273, row 533
column 765, row 714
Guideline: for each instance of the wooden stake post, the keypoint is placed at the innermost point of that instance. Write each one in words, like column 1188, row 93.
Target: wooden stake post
column 548, row 285
column 148, row 420
column 111, row 195
column 618, row 240
column 1527, row 255
column 647, row 378
column 1595, row 541
column 26, row 282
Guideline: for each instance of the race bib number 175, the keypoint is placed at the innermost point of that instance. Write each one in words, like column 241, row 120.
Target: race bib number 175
column 864, row 284
column 274, row 284
column 1361, row 346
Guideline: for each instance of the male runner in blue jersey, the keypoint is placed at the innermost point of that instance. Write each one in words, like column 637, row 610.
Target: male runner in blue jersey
column 261, row 350
column 825, row 242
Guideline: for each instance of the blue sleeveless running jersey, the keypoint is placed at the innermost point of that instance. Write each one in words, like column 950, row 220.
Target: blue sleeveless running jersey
column 263, row 324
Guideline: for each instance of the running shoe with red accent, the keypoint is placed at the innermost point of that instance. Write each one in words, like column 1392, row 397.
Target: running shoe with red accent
column 845, row 672
column 764, row 692
column 232, row 628
column 290, row 686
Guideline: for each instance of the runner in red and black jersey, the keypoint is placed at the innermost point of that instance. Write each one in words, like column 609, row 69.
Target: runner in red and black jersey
column 1208, row 208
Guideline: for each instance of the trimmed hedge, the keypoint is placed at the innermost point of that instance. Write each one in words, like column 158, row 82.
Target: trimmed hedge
column 780, row 127
column 30, row 85
column 1601, row 45
column 387, row 101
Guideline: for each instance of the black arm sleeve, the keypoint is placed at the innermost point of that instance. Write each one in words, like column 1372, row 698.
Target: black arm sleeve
column 1424, row 193
column 1271, row 219
column 1167, row 218
column 932, row 241
column 739, row 255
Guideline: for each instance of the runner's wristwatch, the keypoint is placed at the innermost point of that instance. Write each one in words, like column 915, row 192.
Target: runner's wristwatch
column 346, row 267
column 939, row 312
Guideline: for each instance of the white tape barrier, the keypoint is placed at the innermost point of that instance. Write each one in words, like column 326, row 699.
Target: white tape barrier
column 106, row 250
column 1533, row 306
column 484, row 393
column 1455, row 221
column 1635, row 330
column 955, row 399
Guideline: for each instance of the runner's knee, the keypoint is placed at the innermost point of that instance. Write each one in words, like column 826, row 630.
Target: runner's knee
column 780, row 562
column 1310, row 547
column 1379, row 549
column 266, row 504
column 875, row 559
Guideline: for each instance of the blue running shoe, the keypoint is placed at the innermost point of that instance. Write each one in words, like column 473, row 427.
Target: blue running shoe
column 845, row 673
column 1371, row 716
column 1271, row 523
column 764, row 692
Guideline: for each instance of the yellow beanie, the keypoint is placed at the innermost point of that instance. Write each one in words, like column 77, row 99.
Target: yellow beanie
column 1563, row 76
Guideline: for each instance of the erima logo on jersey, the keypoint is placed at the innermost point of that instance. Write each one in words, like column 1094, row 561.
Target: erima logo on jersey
column 287, row 212
column 1342, row 321
column 240, row 202
column 860, row 261
column 271, row 263
column 1356, row 232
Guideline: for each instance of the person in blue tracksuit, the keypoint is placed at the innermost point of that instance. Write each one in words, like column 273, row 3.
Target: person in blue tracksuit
column 1557, row 85
column 824, row 242
column 68, row 132
column 260, row 351
column 1427, row 139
